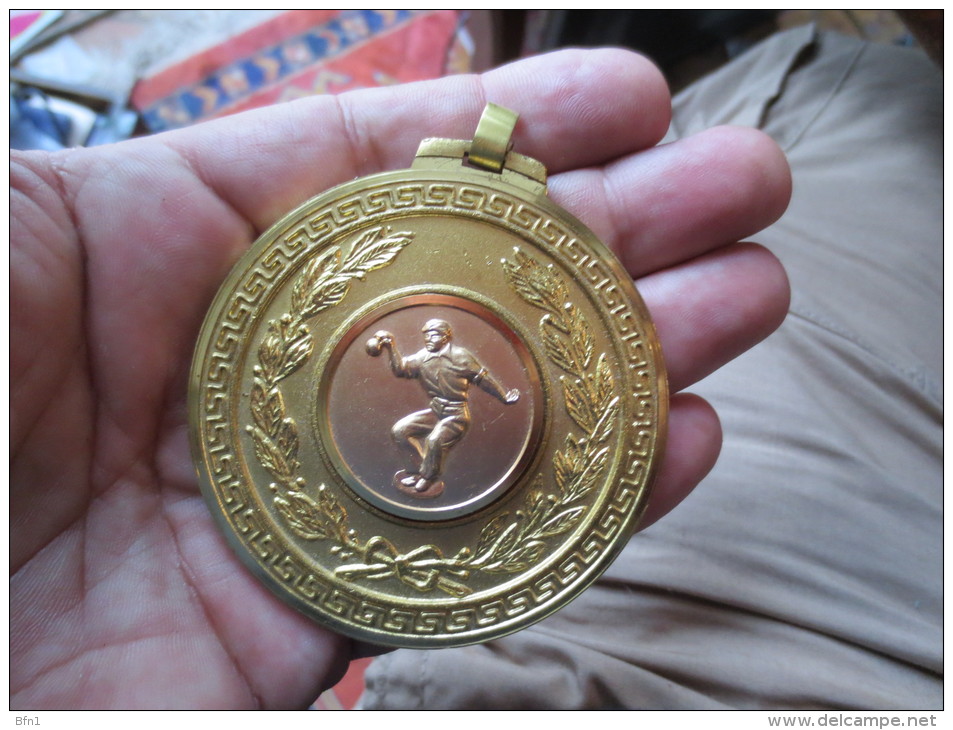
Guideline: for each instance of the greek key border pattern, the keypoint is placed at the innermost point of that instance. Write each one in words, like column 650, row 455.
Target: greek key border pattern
column 335, row 220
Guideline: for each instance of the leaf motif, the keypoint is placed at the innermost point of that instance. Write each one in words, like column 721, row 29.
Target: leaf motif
column 519, row 276
column 603, row 379
column 538, row 285
column 534, row 499
column 587, row 478
column 269, row 455
column 563, row 469
column 269, row 352
column 286, row 440
column 370, row 252
column 331, row 507
column 490, row 532
column 562, row 522
column 556, row 295
column 574, row 450
column 296, row 353
column 507, row 540
column 538, row 506
column 320, row 268
column 597, row 462
column 267, row 406
column 525, row 556
column 581, row 338
column 550, row 505
column 578, row 403
column 555, row 346
column 302, row 515
column 606, row 423
column 328, row 294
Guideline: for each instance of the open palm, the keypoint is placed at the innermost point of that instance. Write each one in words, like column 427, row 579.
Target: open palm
column 122, row 592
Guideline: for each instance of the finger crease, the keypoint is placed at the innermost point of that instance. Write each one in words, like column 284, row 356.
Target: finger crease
column 360, row 163
column 613, row 202
column 187, row 577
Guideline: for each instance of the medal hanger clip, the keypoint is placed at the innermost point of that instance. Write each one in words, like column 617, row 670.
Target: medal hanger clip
column 493, row 138
column 489, row 151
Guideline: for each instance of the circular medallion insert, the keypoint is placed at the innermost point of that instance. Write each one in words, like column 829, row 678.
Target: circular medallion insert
column 429, row 407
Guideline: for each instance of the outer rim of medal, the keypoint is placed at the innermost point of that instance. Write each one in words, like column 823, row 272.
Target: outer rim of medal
column 242, row 549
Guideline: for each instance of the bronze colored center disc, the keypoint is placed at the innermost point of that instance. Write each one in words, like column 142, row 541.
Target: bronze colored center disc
column 427, row 405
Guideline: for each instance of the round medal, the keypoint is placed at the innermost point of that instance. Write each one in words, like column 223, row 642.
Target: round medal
column 427, row 406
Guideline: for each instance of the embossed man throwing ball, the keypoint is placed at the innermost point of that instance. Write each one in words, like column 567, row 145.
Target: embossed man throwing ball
column 446, row 372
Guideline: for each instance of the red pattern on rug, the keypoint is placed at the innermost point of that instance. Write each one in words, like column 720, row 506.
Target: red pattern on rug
column 299, row 53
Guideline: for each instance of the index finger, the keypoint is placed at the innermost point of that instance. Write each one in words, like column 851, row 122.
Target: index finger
column 577, row 108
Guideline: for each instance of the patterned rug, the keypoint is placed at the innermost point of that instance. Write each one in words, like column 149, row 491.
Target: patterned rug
column 304, row 52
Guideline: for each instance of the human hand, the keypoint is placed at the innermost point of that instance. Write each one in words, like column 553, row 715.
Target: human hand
column 123, row 593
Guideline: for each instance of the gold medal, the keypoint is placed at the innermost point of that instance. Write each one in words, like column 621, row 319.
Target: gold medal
column 427, row 406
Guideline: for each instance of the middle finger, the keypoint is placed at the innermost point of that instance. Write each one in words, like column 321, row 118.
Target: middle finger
column 671, row 203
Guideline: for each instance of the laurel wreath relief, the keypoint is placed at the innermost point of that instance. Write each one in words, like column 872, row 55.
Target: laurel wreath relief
column 510, row 542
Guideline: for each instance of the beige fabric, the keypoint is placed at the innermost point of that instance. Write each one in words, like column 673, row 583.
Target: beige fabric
column 805, row 572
